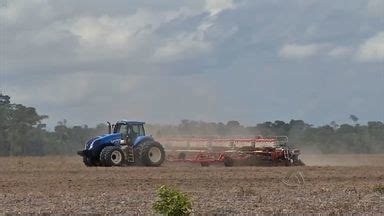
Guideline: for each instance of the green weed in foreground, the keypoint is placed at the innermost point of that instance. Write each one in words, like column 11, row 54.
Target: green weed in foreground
column 172, row 202
column 379, row 188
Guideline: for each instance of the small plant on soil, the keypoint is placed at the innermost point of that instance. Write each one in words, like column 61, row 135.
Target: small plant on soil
column 172, row 202
column 379, row 188
column 245, row 191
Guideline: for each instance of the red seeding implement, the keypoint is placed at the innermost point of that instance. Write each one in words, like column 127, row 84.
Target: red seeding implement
column 255, row 151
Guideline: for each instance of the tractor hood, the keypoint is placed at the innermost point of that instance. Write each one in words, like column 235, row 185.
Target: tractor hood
column 106, row 138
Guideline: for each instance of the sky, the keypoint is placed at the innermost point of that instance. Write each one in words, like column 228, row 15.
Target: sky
column 91, row 61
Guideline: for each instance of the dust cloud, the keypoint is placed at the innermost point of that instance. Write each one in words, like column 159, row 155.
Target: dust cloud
column 343, row 159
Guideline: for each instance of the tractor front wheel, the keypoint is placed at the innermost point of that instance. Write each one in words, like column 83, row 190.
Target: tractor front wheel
column 88, row 161
column 111, row 156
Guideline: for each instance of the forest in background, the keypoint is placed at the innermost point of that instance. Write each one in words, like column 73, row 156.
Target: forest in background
column 22, row 132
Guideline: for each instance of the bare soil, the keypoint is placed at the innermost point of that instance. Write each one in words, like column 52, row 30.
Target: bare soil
column 330, row 184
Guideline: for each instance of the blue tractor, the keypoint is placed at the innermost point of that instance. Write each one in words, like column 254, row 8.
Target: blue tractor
column 125, row 144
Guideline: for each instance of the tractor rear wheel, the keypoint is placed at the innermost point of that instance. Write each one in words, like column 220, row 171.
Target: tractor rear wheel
column 151, row 153
column 111, row 156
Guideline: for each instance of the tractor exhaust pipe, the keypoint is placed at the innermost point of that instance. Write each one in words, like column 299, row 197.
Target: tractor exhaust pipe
column 109, row 127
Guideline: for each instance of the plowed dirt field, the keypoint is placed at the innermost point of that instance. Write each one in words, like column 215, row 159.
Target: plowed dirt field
column 329, row 184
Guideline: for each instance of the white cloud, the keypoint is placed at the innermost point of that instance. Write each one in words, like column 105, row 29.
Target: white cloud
column 340, row 51
column 180, row 47
column 214, row 7
column 372, row 49
column 17, row 11
column 190, row 44
column 299, row 51
column 74, row 88
column 375, row 8
column 130, row 35
column 115, row 36
column 103, row 33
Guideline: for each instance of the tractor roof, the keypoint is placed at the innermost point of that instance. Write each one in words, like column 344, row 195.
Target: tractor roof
column 130, row 122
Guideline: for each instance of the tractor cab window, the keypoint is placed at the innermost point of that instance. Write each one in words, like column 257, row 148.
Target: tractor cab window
column 137, row 130
column 123, row 129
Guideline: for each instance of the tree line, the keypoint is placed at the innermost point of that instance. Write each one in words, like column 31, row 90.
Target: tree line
column 22, row 132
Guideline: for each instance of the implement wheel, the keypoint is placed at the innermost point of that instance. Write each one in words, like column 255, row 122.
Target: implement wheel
column 298, row 162
column 228, row 161
column 204, row 164
column 182, row 156
column 247, row 149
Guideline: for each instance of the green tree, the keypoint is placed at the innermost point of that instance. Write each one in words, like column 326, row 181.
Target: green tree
column 353, row 118
column 21, row 126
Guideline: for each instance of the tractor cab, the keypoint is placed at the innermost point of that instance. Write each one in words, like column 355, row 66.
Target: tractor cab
column 129, row 130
